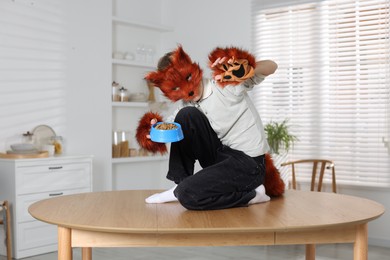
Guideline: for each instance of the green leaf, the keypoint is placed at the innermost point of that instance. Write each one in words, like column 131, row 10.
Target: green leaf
column 278, row 136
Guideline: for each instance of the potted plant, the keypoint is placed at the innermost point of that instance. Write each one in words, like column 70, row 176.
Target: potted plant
column 278, row 136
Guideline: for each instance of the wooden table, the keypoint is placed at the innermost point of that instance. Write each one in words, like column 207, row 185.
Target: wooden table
column 123, row 219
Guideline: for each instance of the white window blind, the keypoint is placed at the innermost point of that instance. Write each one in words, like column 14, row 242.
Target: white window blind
column 332, row 84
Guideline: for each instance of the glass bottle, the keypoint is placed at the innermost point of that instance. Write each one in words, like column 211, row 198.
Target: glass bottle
column 27, row 137
column 115, row 92
column 124, row 95
column 58, row 143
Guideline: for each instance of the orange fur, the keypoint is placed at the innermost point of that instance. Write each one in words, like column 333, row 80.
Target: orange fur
column 228, row 53
column 274, row 185
column 180, row 80
column 143, row 130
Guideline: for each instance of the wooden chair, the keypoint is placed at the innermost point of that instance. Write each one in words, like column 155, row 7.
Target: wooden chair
column 5, row 219
column 315, row 179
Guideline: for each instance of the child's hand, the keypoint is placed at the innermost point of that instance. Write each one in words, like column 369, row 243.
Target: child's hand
column 143, row 133
column 217, row 62
column 152, row 122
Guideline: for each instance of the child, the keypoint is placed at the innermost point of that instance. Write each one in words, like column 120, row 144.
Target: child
column 221, row 127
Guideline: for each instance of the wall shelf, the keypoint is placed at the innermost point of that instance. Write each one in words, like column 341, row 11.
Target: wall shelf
column 139, row 159
column 149, row 26
column 130, row 104
column 140, row 41
column 132, row 63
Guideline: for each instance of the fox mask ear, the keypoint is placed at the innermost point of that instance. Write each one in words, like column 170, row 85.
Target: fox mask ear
column 180, row 58
column 156, row 77
column 179, row 61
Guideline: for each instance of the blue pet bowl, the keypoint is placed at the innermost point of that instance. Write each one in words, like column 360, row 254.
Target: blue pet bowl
column 166, row 136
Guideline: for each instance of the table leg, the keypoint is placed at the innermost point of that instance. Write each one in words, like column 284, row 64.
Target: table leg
column 86, row 253
column 64, row 243
column 310, row 252
column 360, row 248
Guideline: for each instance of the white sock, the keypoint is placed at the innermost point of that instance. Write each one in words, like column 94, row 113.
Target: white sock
column 166, row 196
column 260, row 196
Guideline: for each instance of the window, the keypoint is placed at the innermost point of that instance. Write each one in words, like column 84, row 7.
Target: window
column 332, row 84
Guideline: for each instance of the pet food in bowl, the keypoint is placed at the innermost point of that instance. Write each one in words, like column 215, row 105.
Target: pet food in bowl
column 166, row 132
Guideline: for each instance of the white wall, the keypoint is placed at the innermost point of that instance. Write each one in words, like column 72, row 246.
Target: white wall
column 203, row 25
column 55, row 70
column 32, row 68
column 88, row 86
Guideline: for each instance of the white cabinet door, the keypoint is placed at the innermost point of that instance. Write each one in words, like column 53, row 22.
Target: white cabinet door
column 52, row 177
column 24, row 201
column 33, row 235
column 25, row 181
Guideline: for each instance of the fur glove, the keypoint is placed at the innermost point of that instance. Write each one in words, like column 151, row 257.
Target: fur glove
column 239, row 65
column 143, row 130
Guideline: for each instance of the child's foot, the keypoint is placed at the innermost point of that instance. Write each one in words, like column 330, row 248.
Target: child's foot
column 166, row 196
column 260, row 196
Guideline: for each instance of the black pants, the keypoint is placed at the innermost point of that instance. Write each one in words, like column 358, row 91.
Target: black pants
column 228, row 177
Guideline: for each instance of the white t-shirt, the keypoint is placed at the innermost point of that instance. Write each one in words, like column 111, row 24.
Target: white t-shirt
column 233, row 116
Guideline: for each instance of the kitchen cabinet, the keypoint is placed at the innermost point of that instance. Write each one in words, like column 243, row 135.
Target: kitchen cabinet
column 25, row 181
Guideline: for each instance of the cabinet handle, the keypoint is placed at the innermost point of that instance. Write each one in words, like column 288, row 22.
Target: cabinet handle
column 56, row 194
column 55, row 168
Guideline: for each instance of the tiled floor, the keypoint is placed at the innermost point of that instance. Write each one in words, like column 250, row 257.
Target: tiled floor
column 324, row 252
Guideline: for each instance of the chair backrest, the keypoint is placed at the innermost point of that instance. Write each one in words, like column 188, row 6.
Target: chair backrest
column 324, row 164
column 3, row 207
column 5, row 219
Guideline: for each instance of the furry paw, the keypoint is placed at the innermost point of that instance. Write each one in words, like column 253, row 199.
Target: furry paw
column 143, row 130
column 231, row 65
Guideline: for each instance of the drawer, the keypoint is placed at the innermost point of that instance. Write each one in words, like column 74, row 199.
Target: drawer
column 52, row 177
column 31, row 235
column 24, row 201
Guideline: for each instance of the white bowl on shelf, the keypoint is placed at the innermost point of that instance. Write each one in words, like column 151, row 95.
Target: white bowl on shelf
column 138, row 97
column 23, row 147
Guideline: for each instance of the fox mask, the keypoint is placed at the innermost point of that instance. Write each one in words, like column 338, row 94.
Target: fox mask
column 179, row 79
